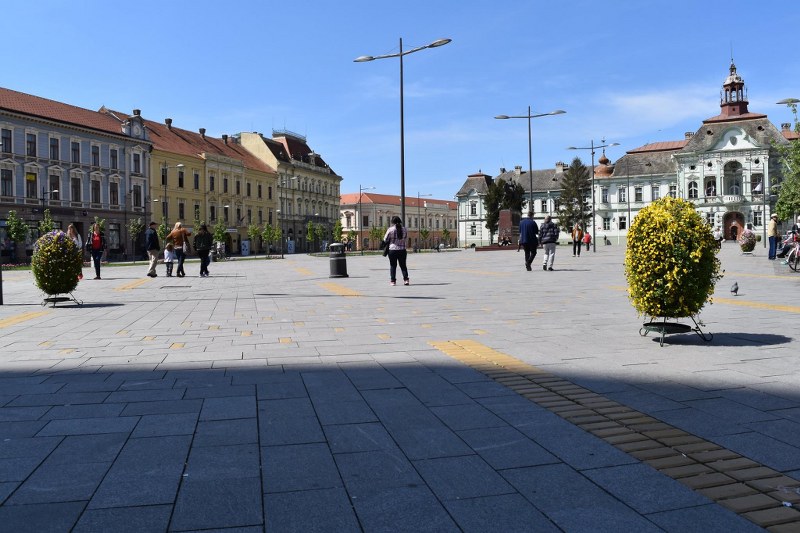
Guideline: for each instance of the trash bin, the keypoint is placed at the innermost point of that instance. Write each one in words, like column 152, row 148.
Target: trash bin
column 338, row 261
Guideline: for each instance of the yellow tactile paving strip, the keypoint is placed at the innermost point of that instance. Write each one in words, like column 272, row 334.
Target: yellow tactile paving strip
column 339, row 289
column 756, row 492
column 16, row 319
column 131, row 285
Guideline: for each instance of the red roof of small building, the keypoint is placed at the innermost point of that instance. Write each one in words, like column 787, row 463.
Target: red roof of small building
column 390, row 199
column 663, row 146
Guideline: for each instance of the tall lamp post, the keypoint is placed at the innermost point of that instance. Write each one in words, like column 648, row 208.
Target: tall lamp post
column 400, row 54
column 529, row 116
column 45, row 194
column 419, row 205
column 361, row 217
column 592, row 148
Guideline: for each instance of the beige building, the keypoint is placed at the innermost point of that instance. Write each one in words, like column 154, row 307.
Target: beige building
column 365, row 212
column 307, row 188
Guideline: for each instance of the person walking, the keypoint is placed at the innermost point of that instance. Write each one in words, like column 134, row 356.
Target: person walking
column 202, row 245
column 169, row 257
column 772, row 234
column 152, row 246
column 528, row 238
column 577, row 235
column 396, row 238
column 587, row 239
column 180, row 239
column 96, row 245
column 73, row 234
column 548, row 235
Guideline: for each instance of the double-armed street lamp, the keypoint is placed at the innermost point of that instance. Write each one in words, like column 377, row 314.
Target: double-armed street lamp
column 592, row 148
column 400, row 54
column 529, row 116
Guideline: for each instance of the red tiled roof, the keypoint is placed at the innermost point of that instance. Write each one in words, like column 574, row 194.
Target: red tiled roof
column 790, row 135
column 59, row 112
column 390, row 199
column 299, row 150
column 663, row 146
column 723, row 118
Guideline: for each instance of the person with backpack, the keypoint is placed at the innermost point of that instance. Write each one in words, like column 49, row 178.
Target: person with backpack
column 548, row 236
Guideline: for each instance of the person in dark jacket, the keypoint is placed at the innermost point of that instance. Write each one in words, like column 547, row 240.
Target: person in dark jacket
column 152, row 246
column 202, row 244
column 548, row 235
column 96, row 245
column 528, row 238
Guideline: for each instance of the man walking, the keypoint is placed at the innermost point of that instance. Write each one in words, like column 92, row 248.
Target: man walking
column 153, row 248
column 772, row 234
column 528, row 239
column 549, row 236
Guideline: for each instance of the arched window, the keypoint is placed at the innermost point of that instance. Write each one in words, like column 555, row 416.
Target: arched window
column 711, row 187
column 693, row 188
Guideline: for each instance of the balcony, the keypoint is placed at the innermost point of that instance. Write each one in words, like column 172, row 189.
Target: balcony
column 733, row 199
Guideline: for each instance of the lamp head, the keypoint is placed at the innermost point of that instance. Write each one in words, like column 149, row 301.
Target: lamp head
column 572, row 147
column 788, row 101
column 613, row 144
column 502, row 117
column 439, row 42
column 363, row 59
column 180, row 165
column 557, row 112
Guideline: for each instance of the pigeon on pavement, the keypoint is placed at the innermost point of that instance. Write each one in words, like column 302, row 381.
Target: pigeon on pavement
column 735, row 289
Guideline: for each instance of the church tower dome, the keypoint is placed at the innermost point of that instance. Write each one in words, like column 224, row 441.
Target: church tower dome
column 733, row 97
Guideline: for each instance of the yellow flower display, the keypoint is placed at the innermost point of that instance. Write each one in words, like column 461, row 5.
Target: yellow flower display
column 671, row 260
column 56, row 263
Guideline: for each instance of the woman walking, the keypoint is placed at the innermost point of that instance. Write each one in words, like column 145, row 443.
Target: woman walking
column 96, row 245
column 396, row 239
column 577, row 237
column 202, row 244
column 180, row 239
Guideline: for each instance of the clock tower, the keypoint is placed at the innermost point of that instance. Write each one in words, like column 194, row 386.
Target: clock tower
column 733, row 97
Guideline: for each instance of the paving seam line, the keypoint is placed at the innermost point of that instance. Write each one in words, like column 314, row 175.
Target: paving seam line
column 756, row 492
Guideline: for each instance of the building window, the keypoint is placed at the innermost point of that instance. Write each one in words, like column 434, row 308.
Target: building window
column 693, row 190
column 364, row 221
column 5, row 140
column 113, row 193
column 113, row 236
column 261, row 216
column 269, row 193
column 622, row 195
column 54, row 187
column 248, row 190
column 30, row 185
column 238, row 188
column 623, row 222
column 6, row 182
column 213, row 213
column 95, row 191
column 249, row 216
column 75, row 189
column 224, row 185
column 95, row 156
column 164, row 176
column 211, row 183
column 225, row 212
column 258, row 189
column 655, row 192
column 239, row 216
column 606, row 223
column 114, row 159
column 196, row 213
column 181, row 211
column 734, row 186
column 638, row 194
column 30, row 145
column 757, row 218
column 180, row 178
column 673, row 191
column 76, row 152
column 54, row 153
column 473, row 230
column 711, row 188
column 137, row 163
column 137, row 196
column 473, row 208
column 196, row 181
column 604, row 195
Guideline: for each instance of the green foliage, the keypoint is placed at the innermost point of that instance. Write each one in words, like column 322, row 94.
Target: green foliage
column 424, row 233
column 337, row 231
column 135, row 228
column 376, row 235
column 310, row 232
column 253, row 233
column 270, row 234
column 163, row 230
column 47, row 225
column 789, row 194
column 446, row 235
column 101, row 222
column 501, row 195
column 220, row 230
column 352, row 235
column 56, row 263
column 573, row 206
column 671, row 260
column 16, row 228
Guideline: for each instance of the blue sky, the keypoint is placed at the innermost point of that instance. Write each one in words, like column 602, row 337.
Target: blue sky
column 631, row 72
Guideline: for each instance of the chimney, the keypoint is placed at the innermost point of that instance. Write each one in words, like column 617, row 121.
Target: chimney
column 518, row 170
column 688, row 135
column 502, row 170
column 561, row 166
column 203, row 133
column 137, row 112
column 225, row 138
column 168, row 122
column 786, row 126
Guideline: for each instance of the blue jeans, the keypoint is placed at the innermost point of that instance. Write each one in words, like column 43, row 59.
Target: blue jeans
column 180, row 256
column 773, row 245
column 97, row 256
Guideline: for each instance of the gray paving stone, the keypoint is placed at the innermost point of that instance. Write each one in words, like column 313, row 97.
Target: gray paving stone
column 299, row 467
column 78, row 449
column 411, row 509
column 644, row 401
column 764, row 449
column 366, row 472
column 484, row 389
column 454, row 478
column 228, row 408
column 467, row 416
column 41, row 518
column 290, row 421
column 16, row 430
column 281, row 390
column 429, row 387
column 501, row 514
column 86, row 426
column 310, row 511
column 153, row 395
column 16, row 414
column 223, row 462
column 731, row 410
column 58, row 398
column 150, row 519
column 60, row 482
column 787, row 431
column 705, row 519
column 146, row 384
column 165, row 425
column 163, row 407
column 506, row 447
column 226, row 432
column 644, row 488
column 95, row 410
column 428, row 443
column 698, row 423
column 207, row 503
column 6, row 488
column 369, row 378
column 38, row 447
column 17, row 468
column 344, row 412
column 220, row 391
column 349, row 438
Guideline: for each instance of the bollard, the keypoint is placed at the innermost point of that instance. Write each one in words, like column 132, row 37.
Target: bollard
column 338, row 261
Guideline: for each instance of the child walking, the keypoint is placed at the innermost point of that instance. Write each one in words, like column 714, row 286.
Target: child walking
column 169, row 258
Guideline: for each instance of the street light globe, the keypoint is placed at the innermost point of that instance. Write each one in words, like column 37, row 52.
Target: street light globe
column 363, row 59
column 439, row 42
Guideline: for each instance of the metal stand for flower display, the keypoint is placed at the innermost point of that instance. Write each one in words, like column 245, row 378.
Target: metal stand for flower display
column 670, row 328
column 55, row 299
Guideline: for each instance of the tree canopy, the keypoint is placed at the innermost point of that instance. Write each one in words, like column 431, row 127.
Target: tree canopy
column 576, row 186
column 789, row 194
column 502, row 195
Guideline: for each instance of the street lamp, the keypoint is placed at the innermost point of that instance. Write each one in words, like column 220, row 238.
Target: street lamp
column 360, row 217
column 592, row 148
column 400, row 54
column 530, row 157
column 45, row 193
column 419, row 203
column 165, row 204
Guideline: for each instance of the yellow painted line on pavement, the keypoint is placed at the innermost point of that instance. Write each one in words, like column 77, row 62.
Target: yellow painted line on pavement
column 131, row 285
column 299, row 324
column 122, row 332
column 177, row 345
column 480, row 272
column 339, row 289
column 14, row 320
column 756, row 305
column 285, row 340
column 46, row 343
column 304, row 271
column 384, row 336
column 338, row 330
column 247, row 333
column 66, row 351
column 480, row 332
column 149, row 338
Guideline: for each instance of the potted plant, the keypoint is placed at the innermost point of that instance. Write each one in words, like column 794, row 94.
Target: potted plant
column 56, row 264
column 671, row 265
column 747, row 241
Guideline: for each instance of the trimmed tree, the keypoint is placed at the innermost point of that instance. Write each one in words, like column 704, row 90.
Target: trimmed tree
column 253, row 233
column 789, row 193
column 337, row 231
column 135, row 228
column 500, row 195
column 46, row 225
column 56, row 263
column 573, row 206
column 18, row 232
